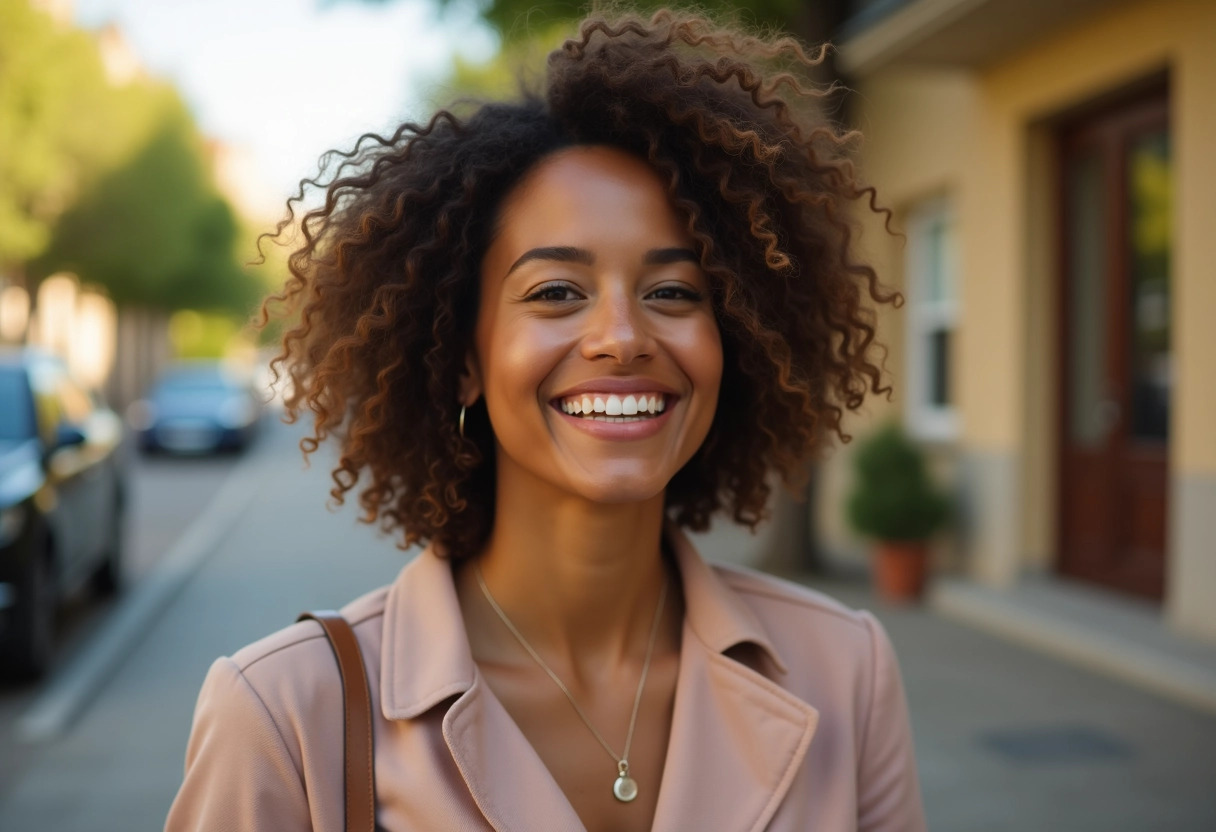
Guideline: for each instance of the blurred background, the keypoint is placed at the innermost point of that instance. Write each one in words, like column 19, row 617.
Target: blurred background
column 1032, row 514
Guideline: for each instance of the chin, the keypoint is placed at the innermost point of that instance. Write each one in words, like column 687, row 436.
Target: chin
column 621, row 490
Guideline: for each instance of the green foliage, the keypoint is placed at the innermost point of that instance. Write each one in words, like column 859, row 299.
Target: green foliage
column 106, row 180
column 153, row 231
column 61, row 124
column 194, row 335
column 519, row 19
column 500, row 77
column 47, row 79
column 893, row 498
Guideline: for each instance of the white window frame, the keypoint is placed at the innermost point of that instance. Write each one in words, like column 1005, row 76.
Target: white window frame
column 926, row 420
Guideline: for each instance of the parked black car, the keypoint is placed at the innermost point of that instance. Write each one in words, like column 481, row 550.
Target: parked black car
column 61, row 502
column 197, row 408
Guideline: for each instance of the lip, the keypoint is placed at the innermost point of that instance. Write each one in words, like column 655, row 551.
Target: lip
column 617, row 431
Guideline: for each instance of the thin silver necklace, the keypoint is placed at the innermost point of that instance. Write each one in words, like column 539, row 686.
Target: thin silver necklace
column 624, row 788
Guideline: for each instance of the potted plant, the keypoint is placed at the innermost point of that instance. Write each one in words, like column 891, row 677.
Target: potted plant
column 895, row 502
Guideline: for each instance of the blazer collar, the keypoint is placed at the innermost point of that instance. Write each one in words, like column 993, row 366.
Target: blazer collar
column 425, row 657
column 737, row 739
column 715, row 612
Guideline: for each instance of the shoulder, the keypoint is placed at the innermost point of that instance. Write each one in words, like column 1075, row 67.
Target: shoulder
column 265, row 722
column 293, row 672
column 772, row 596
column 304, row 639
column 810, row 630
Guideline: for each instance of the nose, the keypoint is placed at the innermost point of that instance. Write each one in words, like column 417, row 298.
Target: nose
column 617, row 330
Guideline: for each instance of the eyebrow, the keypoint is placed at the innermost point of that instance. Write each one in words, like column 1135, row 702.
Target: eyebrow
column 663, row 256
column 560, row 254
column 573, row 254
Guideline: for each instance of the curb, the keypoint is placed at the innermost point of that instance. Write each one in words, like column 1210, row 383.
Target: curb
column 1186, row 682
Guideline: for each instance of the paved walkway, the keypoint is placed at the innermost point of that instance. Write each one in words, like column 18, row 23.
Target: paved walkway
column 1006, row 739
column 1010, row 739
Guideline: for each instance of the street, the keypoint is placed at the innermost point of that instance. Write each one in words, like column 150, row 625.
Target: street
column 1007, row 739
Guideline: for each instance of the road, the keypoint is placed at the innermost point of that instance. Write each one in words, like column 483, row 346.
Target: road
column 1007, row 739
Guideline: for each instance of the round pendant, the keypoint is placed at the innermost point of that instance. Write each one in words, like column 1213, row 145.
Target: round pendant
column 625, row 788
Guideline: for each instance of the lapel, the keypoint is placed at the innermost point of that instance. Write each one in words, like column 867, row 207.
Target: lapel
column 505, row 776
column 426, row 661
column 737, row 737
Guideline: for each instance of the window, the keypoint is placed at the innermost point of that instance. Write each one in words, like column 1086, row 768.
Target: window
column 932, row 315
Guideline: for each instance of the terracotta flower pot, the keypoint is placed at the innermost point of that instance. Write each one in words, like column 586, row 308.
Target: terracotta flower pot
column 899, row 569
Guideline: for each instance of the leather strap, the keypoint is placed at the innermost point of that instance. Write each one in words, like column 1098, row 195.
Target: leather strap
column 360, row 774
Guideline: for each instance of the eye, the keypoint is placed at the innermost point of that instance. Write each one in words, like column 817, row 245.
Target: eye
column 553, row 293
column 679, row 293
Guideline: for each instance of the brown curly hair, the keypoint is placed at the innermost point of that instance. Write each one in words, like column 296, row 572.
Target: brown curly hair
column 385, row 281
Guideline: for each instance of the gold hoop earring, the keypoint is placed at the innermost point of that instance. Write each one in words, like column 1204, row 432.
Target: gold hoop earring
column 462, row 421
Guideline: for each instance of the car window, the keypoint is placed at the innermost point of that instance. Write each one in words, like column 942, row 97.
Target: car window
column 47, row 378
column 16, row 409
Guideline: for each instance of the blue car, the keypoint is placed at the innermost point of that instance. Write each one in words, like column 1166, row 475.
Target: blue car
column 194, row 409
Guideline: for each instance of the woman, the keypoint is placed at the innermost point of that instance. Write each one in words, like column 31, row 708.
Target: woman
column 551, row 335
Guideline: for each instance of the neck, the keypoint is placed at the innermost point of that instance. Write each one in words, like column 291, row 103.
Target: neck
column 581, row 580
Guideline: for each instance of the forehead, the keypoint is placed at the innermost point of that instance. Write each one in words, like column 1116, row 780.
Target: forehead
column 588, row 195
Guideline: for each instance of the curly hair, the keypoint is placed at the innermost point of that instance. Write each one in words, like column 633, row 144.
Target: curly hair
column 383, row 288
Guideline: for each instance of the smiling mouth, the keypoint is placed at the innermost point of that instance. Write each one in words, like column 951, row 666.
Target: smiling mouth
column 611, row 407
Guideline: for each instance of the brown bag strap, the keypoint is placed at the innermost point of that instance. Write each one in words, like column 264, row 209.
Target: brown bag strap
column 360, row 774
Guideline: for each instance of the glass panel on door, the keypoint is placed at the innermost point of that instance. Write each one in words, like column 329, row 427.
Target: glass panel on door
column 1091, row 411
column 1149, row 198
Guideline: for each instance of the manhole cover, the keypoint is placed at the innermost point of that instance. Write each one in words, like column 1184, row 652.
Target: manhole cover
column 1056, row 744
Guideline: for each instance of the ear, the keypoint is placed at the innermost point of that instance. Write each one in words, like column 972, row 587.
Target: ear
column 470, row 387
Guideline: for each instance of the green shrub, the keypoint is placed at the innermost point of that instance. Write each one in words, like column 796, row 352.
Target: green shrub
column 893, row 498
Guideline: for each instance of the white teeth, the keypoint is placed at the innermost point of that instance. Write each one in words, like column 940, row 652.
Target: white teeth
column 614, row 407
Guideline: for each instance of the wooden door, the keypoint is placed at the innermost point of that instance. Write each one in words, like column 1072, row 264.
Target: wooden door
column 1115, row 345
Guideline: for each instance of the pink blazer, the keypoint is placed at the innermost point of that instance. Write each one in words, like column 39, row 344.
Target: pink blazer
column 789, row 715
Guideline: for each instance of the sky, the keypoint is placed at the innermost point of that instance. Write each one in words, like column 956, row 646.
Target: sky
column 286, row 80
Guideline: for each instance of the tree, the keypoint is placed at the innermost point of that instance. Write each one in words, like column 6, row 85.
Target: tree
column 518, row 18
column 107, row 180
column 49, row 81
column 154, row 231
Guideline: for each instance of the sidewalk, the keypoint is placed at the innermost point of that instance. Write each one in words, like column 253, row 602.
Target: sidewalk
column 1007, row 739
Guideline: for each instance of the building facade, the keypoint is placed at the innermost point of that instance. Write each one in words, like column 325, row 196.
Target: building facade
column 1052, row 166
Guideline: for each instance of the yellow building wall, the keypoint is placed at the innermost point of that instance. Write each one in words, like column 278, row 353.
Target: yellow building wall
column 1099, row 55
column 981, row 137
column 1126, row 44
column 918, row 130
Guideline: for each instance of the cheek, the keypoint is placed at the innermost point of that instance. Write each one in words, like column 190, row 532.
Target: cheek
column 701, row 355
column 517, row 355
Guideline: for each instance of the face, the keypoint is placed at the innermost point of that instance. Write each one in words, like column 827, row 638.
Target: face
column 596, row 348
